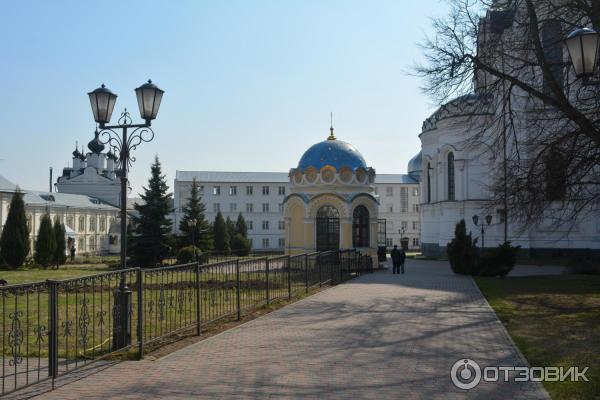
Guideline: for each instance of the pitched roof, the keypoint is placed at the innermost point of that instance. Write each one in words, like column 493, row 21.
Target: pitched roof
column 33, row 197
column 6, row 185
column 394, row 178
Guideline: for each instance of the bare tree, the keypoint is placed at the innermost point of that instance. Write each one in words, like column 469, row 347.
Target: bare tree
column 539, row 122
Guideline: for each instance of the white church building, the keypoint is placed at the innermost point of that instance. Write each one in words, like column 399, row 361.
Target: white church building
column 457, row 172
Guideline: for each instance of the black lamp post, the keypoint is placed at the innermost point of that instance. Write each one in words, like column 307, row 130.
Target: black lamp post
column 488, row 221
column 402, row 231
column 103, row 102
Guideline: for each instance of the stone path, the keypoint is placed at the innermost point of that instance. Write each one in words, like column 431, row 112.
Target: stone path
column 381, row 336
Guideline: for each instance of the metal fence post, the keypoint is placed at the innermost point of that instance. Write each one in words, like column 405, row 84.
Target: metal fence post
column 306, row 272
column 237, row 289
column 289, row 276
column 319, row 268
column 53, row 332
column 198, row 301
column 267, row 278
column 140, row 312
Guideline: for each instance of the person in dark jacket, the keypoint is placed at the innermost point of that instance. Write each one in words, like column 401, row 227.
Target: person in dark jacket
column 398, row 258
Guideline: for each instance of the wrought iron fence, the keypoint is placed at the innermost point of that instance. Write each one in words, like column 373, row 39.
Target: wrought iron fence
column 54, row 327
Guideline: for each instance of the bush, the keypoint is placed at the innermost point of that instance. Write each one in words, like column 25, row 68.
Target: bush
column 186, row 254
column 240, row 245
column 498, row 261
column 462, row 251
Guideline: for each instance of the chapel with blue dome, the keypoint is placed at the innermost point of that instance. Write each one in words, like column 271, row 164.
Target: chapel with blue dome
column 332, row 203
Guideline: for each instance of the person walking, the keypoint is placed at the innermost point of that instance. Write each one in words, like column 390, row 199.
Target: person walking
column 402, row 258
column 396, row 257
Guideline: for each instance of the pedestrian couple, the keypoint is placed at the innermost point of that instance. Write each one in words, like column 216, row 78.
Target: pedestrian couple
column 398, row 258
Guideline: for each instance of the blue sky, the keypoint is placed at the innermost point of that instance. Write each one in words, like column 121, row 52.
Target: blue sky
column 249, row 84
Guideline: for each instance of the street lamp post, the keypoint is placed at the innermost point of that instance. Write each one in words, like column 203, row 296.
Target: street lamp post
column 402, row 232
column 103, row 101
column 488, row 221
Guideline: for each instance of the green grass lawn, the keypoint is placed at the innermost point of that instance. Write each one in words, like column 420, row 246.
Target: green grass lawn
column 555, row 321
column 28, row 275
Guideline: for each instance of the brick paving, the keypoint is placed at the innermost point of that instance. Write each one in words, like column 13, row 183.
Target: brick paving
column 380, row 336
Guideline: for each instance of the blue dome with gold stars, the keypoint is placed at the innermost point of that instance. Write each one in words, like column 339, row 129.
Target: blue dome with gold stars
column 332, row 152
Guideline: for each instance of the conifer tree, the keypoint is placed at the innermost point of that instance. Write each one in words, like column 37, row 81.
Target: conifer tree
column 230, row 228
column 14, row 242
column 241, row 227
column 45, row 244
column 201, row 230
column 60, row 256
column 150, row 241
column 222, row 240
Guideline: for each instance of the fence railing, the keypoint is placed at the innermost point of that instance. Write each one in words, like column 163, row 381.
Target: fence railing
column 54, row 327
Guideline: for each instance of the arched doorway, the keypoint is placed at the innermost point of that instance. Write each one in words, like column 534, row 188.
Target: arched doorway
column 360, row 227
column 328, row 229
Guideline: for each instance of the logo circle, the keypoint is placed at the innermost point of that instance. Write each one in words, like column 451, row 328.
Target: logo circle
column 465, row 374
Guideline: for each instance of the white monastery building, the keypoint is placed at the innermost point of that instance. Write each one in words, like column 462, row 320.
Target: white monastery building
column 259, row 197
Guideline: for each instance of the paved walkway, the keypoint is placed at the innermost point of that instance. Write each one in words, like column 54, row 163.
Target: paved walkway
column 381, row 336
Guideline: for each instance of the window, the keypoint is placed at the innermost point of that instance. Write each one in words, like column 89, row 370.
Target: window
column 232, row 207
column 216, row 190
column 81, row 223
column 415, row 208
column 216, row 207
column 415, row 242
column 281, row 243
column 415, row 225
column 556, row 167
column 415, row 192
column 265, row 243
column 70, row 221
column 389, row 242
column 93, row 224
column 280, row 206
column 391, row 208
column 250, row 225
column 102, row 224
column 282, row 190
column 233, row 190
column 265, row 190
column 552, row 44
column 451, row 176
column 389, row 191
column 265, row 207
column 428, row 183
column 404, row 225
column 92, row 241
column 281, row 225
column 265, row 225
column 249, row 207
column 360, row 227
column 81, row 244
column 249, row 190
column 403, row 199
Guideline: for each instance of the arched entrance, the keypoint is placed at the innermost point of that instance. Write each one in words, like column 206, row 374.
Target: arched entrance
column 328, row 229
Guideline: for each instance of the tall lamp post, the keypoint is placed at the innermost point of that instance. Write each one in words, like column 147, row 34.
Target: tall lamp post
column 401, row 231
column 132, row 135
column 487, row 222
column 192, row 225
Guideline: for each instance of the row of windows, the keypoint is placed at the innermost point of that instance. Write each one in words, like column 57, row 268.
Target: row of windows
column 389, row 191
column 390, row 208
column 416, row 225
column 233, row 207
column 265, row 225
column 92, row 222
column 233, row 190
column 389, row 242
column 266, row 243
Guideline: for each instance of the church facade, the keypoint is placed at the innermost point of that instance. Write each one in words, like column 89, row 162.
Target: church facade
column 459, row 169
column 332, row 203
